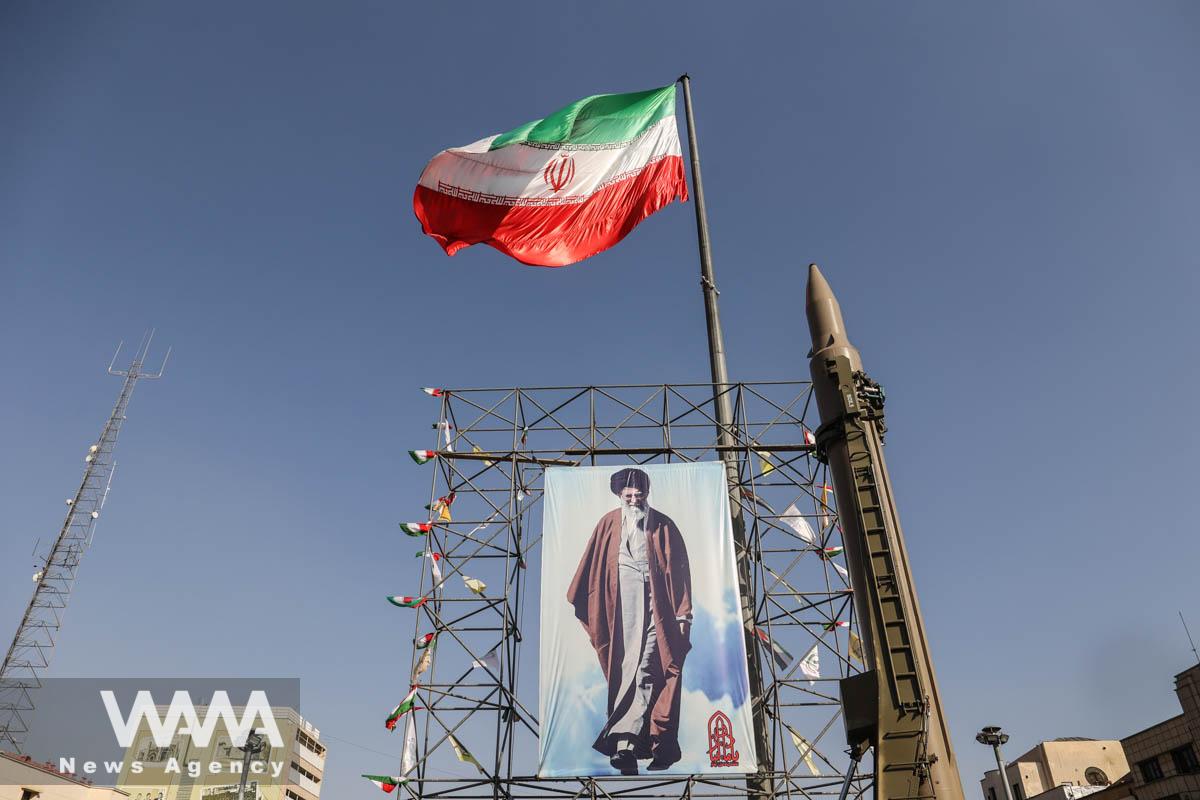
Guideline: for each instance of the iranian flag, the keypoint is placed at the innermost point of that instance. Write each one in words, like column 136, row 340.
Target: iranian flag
column 557, row 190
column 416, row 528
column 386, row 782
column 404, row 601
column 421, row 456
column 433, row 391
column 406, row 705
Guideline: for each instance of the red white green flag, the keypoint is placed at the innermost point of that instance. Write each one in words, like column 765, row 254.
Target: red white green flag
column 421, row 642
column 421, row 456
column 558, row 190
column 404, row 601
column 416, row 528
column 386, row 782
column 432, row 391
column 406, row 705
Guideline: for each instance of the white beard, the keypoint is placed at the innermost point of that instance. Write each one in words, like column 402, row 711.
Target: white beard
column 633, row 515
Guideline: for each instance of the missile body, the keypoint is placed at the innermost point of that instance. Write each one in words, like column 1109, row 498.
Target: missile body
column 893, row 707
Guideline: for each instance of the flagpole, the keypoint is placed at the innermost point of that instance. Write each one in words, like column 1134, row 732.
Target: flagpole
column 712, row 314
column 763, row 785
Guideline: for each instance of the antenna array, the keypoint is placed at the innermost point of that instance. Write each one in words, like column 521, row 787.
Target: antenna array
column 28, row 656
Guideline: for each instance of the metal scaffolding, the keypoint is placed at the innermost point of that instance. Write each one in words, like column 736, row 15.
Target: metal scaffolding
column 491, row 451
column 28, row 656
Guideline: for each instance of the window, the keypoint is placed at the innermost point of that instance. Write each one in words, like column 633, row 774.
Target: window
column 310, row 744
column 1096, row 777
column 1185, row 760
column 991, row 793
column 30, row 794
column 305, row 773
column 1017, row 792
column 1150, row 768
column 290, row 795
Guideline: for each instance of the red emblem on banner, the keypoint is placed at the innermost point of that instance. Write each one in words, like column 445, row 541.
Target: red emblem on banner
column 721, row 742
column 558, row 173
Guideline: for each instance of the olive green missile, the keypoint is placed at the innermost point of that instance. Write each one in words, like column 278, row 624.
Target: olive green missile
column 894, row 707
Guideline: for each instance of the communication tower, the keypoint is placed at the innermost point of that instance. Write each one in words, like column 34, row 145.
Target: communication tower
column 28, row 656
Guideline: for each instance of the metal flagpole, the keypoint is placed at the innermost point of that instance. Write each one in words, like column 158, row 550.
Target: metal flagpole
column 724, row 411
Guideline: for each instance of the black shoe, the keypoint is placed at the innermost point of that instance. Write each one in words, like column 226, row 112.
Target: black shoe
column 659, row 764
column 624, row 761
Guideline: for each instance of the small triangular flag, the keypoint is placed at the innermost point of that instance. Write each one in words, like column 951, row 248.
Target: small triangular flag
column 490, row 661
column 796, row 521
column 408, row 761
column 805, row 748
column 424, row 664
column 783, row 659
column 856, row 648
column 810, row 665
column 386, row 782
column 464, row 754
column 406, row 705
column 475, row 449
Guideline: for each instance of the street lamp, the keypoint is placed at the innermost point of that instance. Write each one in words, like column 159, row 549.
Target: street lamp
column 255, row 743
column 991, row 735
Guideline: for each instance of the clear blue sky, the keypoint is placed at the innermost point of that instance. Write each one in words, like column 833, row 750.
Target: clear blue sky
column 1004, row 197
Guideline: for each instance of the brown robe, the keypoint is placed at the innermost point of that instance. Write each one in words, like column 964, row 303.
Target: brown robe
column 596, row 596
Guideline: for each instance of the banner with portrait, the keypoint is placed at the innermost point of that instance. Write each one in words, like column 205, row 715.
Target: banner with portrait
column 643, row 655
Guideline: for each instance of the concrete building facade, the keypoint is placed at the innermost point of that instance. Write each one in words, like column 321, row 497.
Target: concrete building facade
column 1163, row 758
column 1071, row 767
column 291, row 772
column 22, row 778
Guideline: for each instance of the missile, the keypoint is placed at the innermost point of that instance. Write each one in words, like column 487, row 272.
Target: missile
column 894, row 707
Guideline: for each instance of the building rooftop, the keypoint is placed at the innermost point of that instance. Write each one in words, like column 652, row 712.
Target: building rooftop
column 45, row 766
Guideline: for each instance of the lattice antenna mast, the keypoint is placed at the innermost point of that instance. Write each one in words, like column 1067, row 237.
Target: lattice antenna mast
column 28, row 656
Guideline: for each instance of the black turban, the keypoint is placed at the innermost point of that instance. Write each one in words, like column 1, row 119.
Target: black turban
column 629, row 477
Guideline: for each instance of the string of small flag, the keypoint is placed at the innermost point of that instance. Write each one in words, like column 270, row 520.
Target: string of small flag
column 426, row 644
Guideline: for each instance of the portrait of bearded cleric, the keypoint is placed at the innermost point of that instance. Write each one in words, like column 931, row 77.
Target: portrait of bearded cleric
column 632, row 592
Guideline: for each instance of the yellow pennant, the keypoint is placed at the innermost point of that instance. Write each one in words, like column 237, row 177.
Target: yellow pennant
column 856, row 649
column 805, row 748
column 424, row 664
column 475, row 449
column 464, row 755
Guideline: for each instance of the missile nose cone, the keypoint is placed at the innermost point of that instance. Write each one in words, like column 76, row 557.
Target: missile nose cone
column 824, row 314
column 818, row 287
